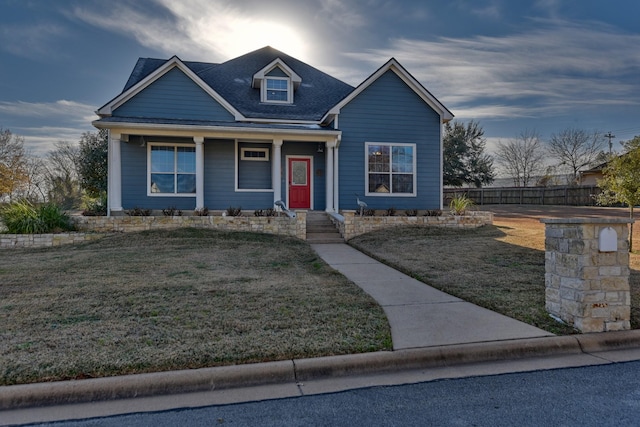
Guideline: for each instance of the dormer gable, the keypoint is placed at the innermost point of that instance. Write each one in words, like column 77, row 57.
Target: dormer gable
column 277, row 83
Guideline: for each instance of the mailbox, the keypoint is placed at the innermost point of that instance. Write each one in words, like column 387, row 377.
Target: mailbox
column 608, row 240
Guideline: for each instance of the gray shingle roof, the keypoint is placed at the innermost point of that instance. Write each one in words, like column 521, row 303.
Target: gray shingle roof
column 232, row 80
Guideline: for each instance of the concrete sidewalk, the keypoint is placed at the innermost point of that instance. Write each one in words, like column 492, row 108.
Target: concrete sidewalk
column 419, row 315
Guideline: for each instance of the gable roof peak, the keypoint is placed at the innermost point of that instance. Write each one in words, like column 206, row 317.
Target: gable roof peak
column 394, row 66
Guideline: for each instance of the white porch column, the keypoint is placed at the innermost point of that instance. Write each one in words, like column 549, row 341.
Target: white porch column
column 115, row 173
column 199, row 140
column 276, row 170
column 336, row 177
column 329, row 175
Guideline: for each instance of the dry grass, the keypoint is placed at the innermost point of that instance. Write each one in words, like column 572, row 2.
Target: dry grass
column 500, row 267
column 163, row 300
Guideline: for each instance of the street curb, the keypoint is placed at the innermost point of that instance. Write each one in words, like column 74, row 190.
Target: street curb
column 299, row 370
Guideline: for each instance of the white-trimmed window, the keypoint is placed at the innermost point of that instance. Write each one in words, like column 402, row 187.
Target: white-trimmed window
column 390, row 169
column 172, row 169
column 277, row 89
column 254, row 154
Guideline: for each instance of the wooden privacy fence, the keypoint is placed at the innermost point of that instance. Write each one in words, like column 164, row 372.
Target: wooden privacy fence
column 560, row 195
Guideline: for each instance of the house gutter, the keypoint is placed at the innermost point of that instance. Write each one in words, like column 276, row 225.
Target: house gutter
column 218, row 131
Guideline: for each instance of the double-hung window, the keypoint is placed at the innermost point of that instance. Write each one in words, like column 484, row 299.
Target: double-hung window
column 277, row 89
column 391, row 169
column 172, row 170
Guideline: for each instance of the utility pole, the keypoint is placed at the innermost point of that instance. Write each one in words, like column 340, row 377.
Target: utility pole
column 610, row 136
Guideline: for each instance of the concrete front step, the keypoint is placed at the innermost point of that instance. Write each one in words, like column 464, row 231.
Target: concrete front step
column 324, row 238
column 324, row 228
column 320, row 229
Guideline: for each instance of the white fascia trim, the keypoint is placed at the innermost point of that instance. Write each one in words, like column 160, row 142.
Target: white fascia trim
column 107, row 110
column 218, row 132
column 260, row 75
column 400, row 71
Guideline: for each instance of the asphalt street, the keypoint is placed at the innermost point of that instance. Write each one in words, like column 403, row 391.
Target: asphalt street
column 605, row 395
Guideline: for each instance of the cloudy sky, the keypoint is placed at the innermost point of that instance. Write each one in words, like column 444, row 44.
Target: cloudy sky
column 544, row 65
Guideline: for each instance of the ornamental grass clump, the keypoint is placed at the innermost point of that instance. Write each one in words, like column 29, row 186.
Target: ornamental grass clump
column 22, row 217
column 460, row 204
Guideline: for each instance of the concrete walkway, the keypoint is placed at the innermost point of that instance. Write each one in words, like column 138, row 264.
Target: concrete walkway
column 419, row 315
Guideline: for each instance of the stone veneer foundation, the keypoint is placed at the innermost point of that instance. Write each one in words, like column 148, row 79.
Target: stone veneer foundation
column 587, row 272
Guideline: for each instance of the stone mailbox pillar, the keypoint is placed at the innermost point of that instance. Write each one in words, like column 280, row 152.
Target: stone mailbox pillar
column 587, row 272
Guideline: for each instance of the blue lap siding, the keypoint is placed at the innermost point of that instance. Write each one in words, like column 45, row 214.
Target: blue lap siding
column 388, row 111
column 134, row 179
column 174, row 96
column 219, row 176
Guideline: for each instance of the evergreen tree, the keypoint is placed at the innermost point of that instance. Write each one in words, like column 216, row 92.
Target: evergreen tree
column 92, row 163
column 464, row 159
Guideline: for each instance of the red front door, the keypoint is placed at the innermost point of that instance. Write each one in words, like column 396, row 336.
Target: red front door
column 299, row 183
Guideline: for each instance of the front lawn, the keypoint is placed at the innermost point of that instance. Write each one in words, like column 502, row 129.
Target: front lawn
column 493, row 267
column 165, row 300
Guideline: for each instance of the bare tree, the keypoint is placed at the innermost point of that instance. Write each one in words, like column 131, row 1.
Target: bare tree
column 62, row 179
column 522, row 158
column 13, row 164
column 35, row 188
column 576, row 148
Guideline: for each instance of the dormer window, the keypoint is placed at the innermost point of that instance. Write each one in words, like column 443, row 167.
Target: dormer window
column 277, row 83
column 277, row 89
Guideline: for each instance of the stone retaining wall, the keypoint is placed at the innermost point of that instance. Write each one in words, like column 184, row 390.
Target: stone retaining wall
column 45, row 240
column 350, row 225
column 355, row 225
column 284, row 225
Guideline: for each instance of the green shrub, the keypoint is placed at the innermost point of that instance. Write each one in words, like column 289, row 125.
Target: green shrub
column 23, row 217
column 233, row 211
column 172, row 211
column 138, row 211
column 201, row 212
column 95, row 206
column 265, row 212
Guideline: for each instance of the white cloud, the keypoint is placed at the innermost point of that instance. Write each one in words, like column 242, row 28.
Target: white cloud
column 42, row 124
column 59, row 110
column 551, row 68
column 199, row 29
column 341, row 14
column 32, row 41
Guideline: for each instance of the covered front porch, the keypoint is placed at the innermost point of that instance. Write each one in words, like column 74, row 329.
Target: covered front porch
column 197, row 167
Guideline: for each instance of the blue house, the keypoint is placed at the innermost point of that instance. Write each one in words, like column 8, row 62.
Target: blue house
column 265, row 127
